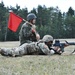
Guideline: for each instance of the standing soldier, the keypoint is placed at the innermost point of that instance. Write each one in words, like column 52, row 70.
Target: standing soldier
column 28, row 32
column 42, row 47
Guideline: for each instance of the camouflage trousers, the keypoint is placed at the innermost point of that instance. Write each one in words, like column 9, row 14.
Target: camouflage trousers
column 25, row 49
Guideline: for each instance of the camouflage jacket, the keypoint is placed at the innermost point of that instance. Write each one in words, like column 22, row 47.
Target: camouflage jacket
column 36, row 48
column 26, row 35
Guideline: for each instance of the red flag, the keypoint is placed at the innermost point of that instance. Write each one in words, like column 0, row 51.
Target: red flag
column 14, row 22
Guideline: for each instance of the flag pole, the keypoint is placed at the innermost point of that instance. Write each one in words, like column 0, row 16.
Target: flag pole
column 28, row 22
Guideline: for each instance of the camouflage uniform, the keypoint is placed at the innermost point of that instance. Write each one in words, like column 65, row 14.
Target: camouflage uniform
column 26, row 35
column 28, row 49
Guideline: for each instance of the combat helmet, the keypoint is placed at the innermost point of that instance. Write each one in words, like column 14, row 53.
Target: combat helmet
column 47, row 38
column 31, row 16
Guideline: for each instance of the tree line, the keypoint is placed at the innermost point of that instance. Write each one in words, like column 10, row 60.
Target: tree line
column 49, row 21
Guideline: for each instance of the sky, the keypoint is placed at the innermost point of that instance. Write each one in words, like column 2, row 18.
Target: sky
column 30, row 4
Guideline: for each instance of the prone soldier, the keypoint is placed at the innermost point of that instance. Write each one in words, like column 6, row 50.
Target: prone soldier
column 42, row 47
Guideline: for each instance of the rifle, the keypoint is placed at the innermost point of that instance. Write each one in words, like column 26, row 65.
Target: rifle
column 63, row 45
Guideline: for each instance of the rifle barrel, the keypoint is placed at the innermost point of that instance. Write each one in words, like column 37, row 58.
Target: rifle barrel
column 73, row 43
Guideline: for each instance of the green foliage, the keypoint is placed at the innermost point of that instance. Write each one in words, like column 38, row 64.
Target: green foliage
column 70, row 11
column 70, row 26
column 49, row 21
column 2, row 21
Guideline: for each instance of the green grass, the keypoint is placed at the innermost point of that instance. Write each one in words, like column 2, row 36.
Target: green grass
column 37, row 64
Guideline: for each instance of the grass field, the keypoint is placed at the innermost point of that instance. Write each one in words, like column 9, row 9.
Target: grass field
column 37, row 64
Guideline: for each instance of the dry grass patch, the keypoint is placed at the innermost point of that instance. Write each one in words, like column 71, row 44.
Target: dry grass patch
column 36, row 64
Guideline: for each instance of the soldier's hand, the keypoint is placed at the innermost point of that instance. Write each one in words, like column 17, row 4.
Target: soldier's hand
column 33, row 30
column 37, row 36
column 58, row 50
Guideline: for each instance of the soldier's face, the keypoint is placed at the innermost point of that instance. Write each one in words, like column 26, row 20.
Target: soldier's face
column 34, row 21
column 49, row 43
